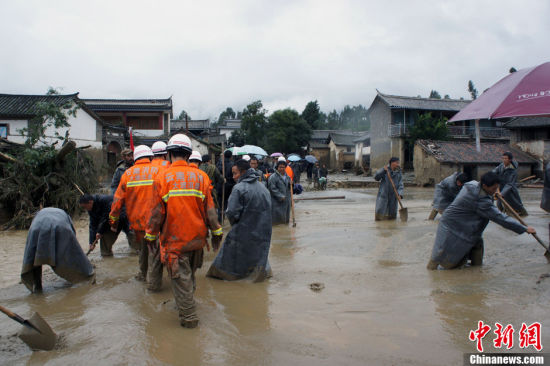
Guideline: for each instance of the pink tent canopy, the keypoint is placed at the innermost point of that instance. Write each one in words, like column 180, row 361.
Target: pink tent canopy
column 523, row 93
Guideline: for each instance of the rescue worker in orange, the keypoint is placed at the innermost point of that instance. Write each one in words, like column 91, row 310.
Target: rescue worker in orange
column 195, row 159
column 136, row 192
column 183, row 211
column 159, row 154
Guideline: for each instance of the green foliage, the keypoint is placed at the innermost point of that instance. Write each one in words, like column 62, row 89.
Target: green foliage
column 472, row 90
column 237, row 138
column 512, row 69
column 287, row 131
column 183, row 114
column 253, row 123
column 312, row 115
column 48, row 114
column 447, row 96
column 427, row 127
column 435, row 94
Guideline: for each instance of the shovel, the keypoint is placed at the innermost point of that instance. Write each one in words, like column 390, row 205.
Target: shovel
column 36, row 333
column 517, row 217
column 403, row 211
column 93, row 246
column 292, row 204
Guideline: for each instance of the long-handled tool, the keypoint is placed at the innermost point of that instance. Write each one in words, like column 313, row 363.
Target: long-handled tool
column 223, row 183
column 92, row 246
column 403, row 211
column 36, row 333
column 517, row 217
column 321, row 198
column 292, row 204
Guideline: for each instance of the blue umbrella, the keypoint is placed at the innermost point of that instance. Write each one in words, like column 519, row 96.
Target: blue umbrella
column 311, row 159
column 253, row 149
column 294, row 157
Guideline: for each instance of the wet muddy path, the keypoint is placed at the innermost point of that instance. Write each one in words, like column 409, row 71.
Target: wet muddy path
column 375, row 303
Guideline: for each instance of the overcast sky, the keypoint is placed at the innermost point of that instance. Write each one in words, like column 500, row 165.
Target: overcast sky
column 209, row 55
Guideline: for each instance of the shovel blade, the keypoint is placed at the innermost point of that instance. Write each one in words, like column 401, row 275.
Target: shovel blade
column 547, row 255
column 45, row 340
column 404, row 214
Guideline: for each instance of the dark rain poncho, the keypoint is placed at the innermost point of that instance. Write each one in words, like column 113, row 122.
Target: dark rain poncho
column 246, row 247
column 508, row 177
column 279, row 187
column 445, row 192
column 463, row 223
column 52, row 240
column 545, row 201
column 386, row 202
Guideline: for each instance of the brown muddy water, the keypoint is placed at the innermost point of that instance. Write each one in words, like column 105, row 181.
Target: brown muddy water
column 345, row 290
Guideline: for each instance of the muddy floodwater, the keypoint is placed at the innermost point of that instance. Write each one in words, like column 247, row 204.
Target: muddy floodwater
column 346, row 290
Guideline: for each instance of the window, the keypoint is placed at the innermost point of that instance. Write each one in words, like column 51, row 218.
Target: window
column 4, row 131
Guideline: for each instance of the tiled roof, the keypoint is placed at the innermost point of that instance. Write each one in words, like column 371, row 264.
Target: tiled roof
column 318, row 145
column 465, row 152
column 533, row 122
column 129, row 105
column 24, row 106
column 428, row 104
column 323, row 134
column 343, row 139
column 363, row 138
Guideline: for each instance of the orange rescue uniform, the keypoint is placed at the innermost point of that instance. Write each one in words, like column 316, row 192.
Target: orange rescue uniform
column 289, row 172
column 136, row 192
column 161, row 163
column 182, row 196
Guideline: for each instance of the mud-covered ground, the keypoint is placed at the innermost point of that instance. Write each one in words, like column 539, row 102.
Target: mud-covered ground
column 345, row 290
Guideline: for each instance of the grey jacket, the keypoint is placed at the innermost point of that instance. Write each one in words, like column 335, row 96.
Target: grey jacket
column 463, row 223
column 279, row 188
column 445, row 192
column 386, row 202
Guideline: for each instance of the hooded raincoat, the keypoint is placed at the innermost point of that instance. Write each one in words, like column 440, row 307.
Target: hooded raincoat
column 445, row 192
column 508, row 186
column 545, row 201
column 463, row 223
column 279, row 187
column 386, row 202
column 52, row 240
column 246, row 248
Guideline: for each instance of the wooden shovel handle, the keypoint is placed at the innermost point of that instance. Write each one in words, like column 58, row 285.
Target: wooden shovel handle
column 12, row 315
column 394, row 189
column 517, row 217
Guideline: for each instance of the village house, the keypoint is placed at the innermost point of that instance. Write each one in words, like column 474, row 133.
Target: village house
column 392, row 117
column 318, row 145
column 531, row 135
column 228, row 126
column 362, row 151
column 342, row 150
column 436, row 160
column 200, row 127
column 17, row 110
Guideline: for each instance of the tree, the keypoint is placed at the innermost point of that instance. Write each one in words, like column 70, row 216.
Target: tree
column 355, row 118
column 312, row 114
column 472, row 90
column 429, row 128
column 48, row 114
column 253, row 123
column 512, row 69
column 229, row 113
column 447, row 96
column 333, row 120
column 287, row 131
column 435, row 94
column 183, row 115
column 237, row 138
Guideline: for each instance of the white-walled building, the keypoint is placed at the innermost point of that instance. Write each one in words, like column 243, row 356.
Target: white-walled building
column 86, row 128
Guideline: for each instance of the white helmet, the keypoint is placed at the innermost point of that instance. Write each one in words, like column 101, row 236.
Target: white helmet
column 281, row 158
column 195, row 155
column 142, row 151
column 159, row 148
column 179, row 142
column 246, row 157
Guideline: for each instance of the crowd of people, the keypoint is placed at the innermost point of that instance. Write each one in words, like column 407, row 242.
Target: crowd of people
column 169, row 200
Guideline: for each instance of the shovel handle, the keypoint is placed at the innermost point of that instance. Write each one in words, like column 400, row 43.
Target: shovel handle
column 517, row 217
column 93, row 244
column 394, row 189
column 12, row 315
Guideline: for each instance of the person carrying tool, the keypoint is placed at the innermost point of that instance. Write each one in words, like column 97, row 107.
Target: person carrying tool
column 52, row 240
column 98, row 207
column 386, row 201
column 135, row 191
column 446, row 191
column 459, row 234
column 159, row 154
column 182, row 213
column 213, row 174
column 246, row 247
column 278, row 185
column 225, row 169
column 508, row 176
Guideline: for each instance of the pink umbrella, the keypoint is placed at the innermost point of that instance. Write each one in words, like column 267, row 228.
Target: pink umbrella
column 525, row 92
column 276, row 154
